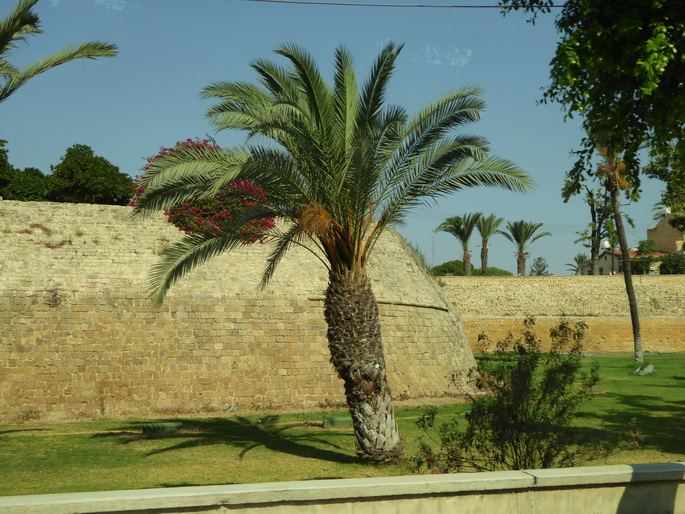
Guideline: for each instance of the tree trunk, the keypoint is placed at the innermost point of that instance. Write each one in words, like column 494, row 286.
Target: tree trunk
column 627, row 275
column 521, row 265
column 484, row 258
column 467, row 263
column 354, row 340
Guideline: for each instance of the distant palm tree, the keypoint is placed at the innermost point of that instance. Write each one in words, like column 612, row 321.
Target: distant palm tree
column 340, row 167
column 20, row 24
column 487, row 226
column 579, row 261
column 522, row 234
column 461, row 227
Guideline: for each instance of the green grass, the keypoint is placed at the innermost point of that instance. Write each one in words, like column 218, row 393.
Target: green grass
column 106, row 455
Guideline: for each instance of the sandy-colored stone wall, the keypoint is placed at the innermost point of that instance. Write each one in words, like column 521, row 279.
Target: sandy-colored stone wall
column 498, row 305
column 78, row 338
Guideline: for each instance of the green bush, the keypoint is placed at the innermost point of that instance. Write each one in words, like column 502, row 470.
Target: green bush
column 494, row 272
column 522, row 419
column 673, row 264
column 455, row 268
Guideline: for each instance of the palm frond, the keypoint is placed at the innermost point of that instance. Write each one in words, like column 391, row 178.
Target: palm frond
column 90, row 50
column 282, row 242
column 184, row 256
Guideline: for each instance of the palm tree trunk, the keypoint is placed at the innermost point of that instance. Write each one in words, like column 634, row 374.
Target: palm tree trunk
column 354, row 340
column 627, row 276
column 484, row 257
column 521, row 265
column 467, row 262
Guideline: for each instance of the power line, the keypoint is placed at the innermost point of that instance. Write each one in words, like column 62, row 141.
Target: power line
column 413, row 6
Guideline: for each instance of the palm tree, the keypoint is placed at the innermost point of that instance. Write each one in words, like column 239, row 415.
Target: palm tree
column 579, row 261
column 461, row 227
column 20, row 24
column 487, row 226
column 522, row 234
column 340, row 167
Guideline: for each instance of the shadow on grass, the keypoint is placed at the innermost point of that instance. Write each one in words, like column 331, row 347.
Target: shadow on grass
column 658, row 420
column 247, row 435
column 13, row 431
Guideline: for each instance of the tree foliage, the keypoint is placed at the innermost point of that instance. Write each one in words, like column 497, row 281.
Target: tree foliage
column 576, row 267
column 673, row 264
column 539, row 268
column 523, row 234
column 455, row 268
column 619, row 65
column 239, row 199
column 666, row 166
column 24, row 185
column 462, row 227
column 83, row 177
column 487, row 227
column 15, row 28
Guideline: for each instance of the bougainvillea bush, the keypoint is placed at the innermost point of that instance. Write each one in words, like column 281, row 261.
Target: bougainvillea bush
column 209, row 215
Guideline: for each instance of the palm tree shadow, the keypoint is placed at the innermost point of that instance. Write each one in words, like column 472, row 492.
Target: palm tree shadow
column 292, row 438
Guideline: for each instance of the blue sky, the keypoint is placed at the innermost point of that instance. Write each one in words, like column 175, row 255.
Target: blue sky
column 126, row 107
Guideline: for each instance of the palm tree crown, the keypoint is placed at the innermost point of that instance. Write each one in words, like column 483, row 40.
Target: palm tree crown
column 339, row 166
column 487, row 227
column 580, row 260
column 16, row 28
column 461, row 227
column 522, row 234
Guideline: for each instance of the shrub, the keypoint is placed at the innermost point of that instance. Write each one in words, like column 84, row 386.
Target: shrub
column 523, row 419
column 455, row 268
column 673, row 264
column 491, row 271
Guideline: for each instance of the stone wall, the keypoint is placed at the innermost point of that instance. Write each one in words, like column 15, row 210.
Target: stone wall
column 498, row 305
column 78, row 338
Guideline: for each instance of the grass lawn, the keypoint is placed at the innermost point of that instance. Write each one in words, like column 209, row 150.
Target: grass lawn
column 40, row 458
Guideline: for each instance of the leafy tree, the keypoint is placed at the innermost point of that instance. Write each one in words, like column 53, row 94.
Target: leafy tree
column 455, row 268
column 82, row 177
column 601, row 214
column 522, row 235
column 673, row 264
column 539, row 268
column 579, row 261
column 340, row 167
column 619, row 65
column 27, row 185
column 666, row 166
column 462, row 227
column 6, row 169
column 487, row 226
column 644, row 257
column 21, row 23
column 494, row 272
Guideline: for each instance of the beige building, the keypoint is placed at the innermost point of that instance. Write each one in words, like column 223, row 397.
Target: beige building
column 668, row 239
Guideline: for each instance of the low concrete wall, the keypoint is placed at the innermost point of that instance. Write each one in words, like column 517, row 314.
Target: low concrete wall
column 639, row 489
